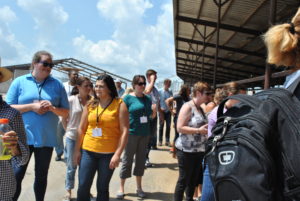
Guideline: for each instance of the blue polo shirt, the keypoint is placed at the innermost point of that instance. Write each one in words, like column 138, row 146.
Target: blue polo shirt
column 40, row 129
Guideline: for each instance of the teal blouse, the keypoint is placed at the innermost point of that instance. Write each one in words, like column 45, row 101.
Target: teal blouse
column 139, row 107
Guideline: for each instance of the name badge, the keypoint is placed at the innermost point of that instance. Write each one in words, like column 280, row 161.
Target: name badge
column 143, row 119
column 97, row 132
column 36, row 101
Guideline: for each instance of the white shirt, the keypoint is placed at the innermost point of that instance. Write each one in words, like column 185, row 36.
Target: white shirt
column 68, row 88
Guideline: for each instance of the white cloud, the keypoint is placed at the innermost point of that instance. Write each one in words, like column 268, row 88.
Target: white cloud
column 10, row 48
column 7, row 15
column 45, row 12
column 134, row 45
column 121, row 10
column 48, row 16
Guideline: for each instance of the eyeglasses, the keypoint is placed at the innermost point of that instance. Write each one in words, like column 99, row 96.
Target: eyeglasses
column 46, row 64
column 141, row 83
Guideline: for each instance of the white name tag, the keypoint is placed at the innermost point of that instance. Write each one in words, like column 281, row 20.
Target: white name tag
column 36, row 101
column 143, row 119
column 97, row 132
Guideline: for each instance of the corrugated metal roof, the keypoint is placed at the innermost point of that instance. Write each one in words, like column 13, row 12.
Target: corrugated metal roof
column 242, row 53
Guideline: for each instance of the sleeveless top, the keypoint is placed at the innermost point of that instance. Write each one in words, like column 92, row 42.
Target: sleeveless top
column 193, row 143
column 110, row 125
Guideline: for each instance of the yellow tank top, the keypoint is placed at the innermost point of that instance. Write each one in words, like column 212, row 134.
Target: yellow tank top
column 110, row 126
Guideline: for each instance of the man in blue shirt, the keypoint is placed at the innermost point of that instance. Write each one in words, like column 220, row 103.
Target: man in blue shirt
column 165, row 93
column 151, row 90
column 120, row 90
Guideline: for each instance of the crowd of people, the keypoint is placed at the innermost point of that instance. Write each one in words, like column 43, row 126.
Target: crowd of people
column 98, row 123
column 104, row 125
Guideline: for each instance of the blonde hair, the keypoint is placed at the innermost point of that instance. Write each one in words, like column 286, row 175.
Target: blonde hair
column 282, row 41
column 220, row 95
column 127, row 91
column 201, row 87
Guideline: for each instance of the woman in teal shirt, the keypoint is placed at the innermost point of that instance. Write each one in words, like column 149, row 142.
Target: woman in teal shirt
column 139, row 107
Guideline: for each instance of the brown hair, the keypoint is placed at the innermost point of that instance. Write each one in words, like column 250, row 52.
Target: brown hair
column 136, row 79
column 150, row 72
column 109, row 81
column 201, row 87
column 184, row 92
column 282, row 43
column 220, row 95
column 79, row 81
column 167, row 81
column 38, row 55
column 231, row 87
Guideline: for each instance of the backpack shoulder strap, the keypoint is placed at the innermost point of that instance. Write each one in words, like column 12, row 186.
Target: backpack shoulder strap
column 294, row 85
column 252, row 101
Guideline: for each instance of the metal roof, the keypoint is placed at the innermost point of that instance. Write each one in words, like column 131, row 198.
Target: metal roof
column 86, row 70
column 241, row 54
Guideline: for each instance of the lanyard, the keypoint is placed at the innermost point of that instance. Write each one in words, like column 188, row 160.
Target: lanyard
column 144, row 103
column 40, row 87
column 199, row 109
column 99, row 116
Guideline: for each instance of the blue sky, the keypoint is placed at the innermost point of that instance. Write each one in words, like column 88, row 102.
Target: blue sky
column 122, row 36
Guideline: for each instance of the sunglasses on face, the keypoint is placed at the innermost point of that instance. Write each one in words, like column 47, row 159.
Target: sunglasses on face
column 46, row 64
column 141, row 83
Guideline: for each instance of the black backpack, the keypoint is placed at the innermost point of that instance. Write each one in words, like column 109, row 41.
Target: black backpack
column 254, row 152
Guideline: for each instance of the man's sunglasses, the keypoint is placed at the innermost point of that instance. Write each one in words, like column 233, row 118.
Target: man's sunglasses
column 46, row 64
column 141, row 83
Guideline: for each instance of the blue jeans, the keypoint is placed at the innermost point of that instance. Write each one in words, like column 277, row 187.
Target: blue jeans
column 71, row 168
column 42, row 156
column 207, row 188
column 60, row 132
column 91, row 163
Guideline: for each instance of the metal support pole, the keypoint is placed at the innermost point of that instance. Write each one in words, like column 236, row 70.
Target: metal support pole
column 203, row 53
column 272, row 20
column 217, row 43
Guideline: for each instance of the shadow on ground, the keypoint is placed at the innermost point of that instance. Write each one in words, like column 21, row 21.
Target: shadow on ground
column 111, row 199
column 152, row 196
column 171, row 166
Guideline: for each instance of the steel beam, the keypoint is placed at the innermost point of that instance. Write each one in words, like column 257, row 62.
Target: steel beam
column 205, row 78
column 223, row 67
column 224, row 59
column 224, row 74
column 231, row 49
column 261, row 78
column 222, row 26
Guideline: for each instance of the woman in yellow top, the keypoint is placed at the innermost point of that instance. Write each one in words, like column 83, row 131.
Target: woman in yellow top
column 103, row 133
